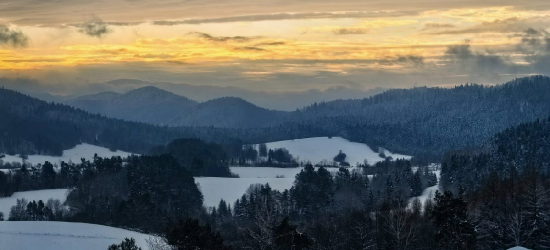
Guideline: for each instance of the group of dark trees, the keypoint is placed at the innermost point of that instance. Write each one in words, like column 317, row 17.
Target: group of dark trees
column 200, row 158
column 346, row 210
column 261, row 156
column 37, row 211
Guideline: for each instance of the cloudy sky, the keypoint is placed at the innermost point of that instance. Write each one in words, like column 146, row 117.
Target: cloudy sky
column 275, row 45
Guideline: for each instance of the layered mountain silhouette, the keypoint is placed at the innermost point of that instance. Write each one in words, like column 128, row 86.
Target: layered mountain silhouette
column 160, row 107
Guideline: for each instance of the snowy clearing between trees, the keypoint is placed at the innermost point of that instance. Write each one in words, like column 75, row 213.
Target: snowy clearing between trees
column 86, row 151
column 230, row 189
column 7, row 202
column 428, row 193
column 318, row 149
column 49, row 235
column 272, row 172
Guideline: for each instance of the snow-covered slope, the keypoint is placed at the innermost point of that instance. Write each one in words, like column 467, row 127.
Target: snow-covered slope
column 271, row 172
column 318, row 149
column 428, row 193
column 230, row 189
column 44, row 195
column 49, row 235
column 85, row 151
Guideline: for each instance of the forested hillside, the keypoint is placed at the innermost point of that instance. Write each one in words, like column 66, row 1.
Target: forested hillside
column 156, row 106
column 31, row 126
column 419, row 121
column 423, row 122
column 509, row 154
column 431, row 121
column 148, row 104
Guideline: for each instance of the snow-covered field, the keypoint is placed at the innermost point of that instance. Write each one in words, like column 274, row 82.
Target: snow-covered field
column 318, row 149
column 269, row 172
column 429, row 192
column 85, row 151
column 44, row 195
column 49, row 235
column 230, row 189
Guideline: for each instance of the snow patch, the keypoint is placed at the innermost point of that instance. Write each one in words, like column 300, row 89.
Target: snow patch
column 271, row 172
column 231, row 189
column 86, row 151
column 318, row 149
column 49, row 235
column 7, row 202
column 428, row 193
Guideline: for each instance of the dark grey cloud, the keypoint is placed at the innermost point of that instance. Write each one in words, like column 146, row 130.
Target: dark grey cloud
column 416, row 61
column 95, row 28
column 32, row 60
column 437, row 26
column 535, row 45
column 223, row 38
column 350, row 31
column 250, row 48
column 289, row 16
column 461, row 59
column 12, row 38
column 509, row 25
column 269, row 44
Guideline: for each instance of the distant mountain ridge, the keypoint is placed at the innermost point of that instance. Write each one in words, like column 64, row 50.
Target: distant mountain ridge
column 160, row 107
column 422, row 122
column 148, row 104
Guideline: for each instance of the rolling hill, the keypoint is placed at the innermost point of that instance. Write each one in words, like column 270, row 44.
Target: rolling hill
column 156, row 106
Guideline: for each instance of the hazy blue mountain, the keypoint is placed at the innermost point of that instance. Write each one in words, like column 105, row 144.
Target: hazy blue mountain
column 156, row 106
column 147, row 104
column 288, row 100
column 228, row 112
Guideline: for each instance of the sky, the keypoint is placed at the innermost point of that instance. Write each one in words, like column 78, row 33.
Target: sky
column 66, row 46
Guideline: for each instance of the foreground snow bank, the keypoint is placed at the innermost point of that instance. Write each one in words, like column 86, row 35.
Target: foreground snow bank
column 86, row 151
column 7, row 202
column 49, row 235
column 318, row 149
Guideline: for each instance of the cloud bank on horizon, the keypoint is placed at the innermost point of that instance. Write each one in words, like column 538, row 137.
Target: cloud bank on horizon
column 273, row 46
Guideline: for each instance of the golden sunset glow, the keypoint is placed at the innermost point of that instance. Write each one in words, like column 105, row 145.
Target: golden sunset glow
column 259, row 40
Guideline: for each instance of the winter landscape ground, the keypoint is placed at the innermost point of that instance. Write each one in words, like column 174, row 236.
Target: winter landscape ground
column 318, row 149
column 81, row 151
column 7, row 202
column 49, row 235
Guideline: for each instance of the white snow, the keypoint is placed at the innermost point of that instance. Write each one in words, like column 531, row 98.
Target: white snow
column 230, row 189
column 86, row 151
column 318, row 149
column 49, row 235
column 518, row 248
column 429, row 192
column 270, row 172
column 7, row 202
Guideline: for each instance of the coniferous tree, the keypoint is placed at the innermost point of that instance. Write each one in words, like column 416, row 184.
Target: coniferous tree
column 189, row 234
column 126, row 244
column 454, row 229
